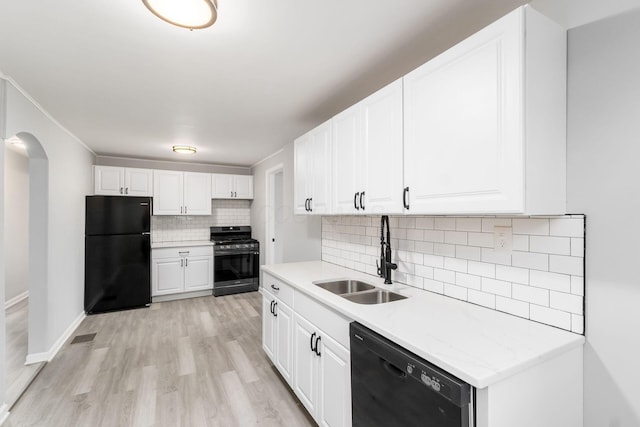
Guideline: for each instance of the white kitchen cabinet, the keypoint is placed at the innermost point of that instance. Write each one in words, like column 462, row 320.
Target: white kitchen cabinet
column 277, row 329
column 227, row 186
column 322, row 377
column 117, row 181
column 181, row 193
column 181, row 269
column 367, row 154
column 484, row 122
column 312, row 171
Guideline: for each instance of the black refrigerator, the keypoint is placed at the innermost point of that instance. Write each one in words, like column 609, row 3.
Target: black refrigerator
column 117, row 262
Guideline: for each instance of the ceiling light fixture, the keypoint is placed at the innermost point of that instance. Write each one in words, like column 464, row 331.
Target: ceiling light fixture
column 191, row 14
column 184, row 149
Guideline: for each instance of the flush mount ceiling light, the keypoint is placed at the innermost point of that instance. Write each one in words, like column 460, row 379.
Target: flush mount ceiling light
column 191, row 14
column 184, row 149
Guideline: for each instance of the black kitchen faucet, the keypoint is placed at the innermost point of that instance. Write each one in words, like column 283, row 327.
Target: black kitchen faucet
column 385, row 266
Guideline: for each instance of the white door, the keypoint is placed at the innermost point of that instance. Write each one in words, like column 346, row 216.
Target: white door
column 302, row 174
column 221, row 186
column 167, row 276
column 108, row 180
column 320, row 168
column 243, row 186
column 197, row 193
column 268, row 326
column 284, row 342
column 383, row 150
column 347, row 161
column 198, row 273
column 463, row 125
column 167, row 193
column 334, row 405
column 138, row 182
column 305, row 364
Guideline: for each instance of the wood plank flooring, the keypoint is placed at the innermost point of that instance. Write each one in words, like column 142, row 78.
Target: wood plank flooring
column 19, row 375
column 195, row 362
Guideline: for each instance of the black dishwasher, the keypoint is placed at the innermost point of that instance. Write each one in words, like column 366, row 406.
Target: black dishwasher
column 391, row 386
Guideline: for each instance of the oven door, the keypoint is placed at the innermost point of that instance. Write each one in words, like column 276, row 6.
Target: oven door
column 235, row 271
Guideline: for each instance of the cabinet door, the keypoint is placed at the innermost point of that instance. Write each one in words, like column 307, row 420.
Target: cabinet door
column 138, row 182
column 302, row 174
column 284, row 341
column 167, row 193
column 268, row 326
column 108, row 180
column 197, row 193
column 305, row 364
column 221, row 186
column 198, row 273
column 383, row 150
column 321, row 169
column 463, row 116
column 243, row 186
column 347, row 161
column 334, row 373
column 167, row 276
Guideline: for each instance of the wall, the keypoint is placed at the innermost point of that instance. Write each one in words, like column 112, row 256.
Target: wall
column 174, row 166
column 4, row 410
column 301, row 234
column 166, row 228
column 61, row 192
column 540, row 279
column 16, row 224
column 603, row 177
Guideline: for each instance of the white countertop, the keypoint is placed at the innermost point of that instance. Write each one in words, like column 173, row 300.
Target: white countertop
column 478, row 345
column 156, row 245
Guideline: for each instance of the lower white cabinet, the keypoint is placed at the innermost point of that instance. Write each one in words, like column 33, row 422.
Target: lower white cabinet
column 308, row 343
column 181, row 269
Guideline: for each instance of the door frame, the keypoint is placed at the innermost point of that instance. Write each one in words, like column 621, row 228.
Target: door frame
column 270, row 211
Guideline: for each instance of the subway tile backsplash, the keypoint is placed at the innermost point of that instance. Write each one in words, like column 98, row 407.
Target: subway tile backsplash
column 540, row 279
column 165, row 228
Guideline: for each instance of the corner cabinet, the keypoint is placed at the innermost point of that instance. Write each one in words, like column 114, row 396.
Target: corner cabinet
column 225, row 186
column 309, row 345
column 485, row 122
column 312, row 171
column 181, row 269
column 367, row 155
column 181, row 193
column 117, row 181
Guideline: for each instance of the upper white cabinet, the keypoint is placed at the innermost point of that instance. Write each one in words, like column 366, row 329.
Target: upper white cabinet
column 484, row 122
column 226, row 186
column 181, row 193
column 367, row 154
column 117, row 181
column 312, row 165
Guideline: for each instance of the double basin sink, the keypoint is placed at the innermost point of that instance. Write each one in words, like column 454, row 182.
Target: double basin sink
column 359, row 292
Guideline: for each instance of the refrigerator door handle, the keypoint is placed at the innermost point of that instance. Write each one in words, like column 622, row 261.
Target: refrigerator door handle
column 146, row 234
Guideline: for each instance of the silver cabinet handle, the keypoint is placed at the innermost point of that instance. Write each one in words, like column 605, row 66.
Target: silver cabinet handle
column 232, row 194
column 183, row 252
column 120, row 190
column 186, row 262
column 182, row 263
column 126, row 190
column 181, row 209
column 185, row 210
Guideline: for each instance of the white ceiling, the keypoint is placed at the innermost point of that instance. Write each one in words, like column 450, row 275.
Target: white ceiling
column 130, row 85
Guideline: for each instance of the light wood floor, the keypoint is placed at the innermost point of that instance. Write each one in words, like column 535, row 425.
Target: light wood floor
column 19, row 375
column 196, row 362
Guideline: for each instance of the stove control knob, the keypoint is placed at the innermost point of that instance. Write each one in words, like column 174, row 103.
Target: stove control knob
column 409, row 369
column 425, row 379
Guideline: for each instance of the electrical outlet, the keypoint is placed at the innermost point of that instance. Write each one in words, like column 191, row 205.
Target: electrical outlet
column 502, row 239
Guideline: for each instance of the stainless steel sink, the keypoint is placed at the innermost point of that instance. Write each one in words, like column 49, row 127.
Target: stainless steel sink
column 374, row 297
column 341, row 287
column 359, row 292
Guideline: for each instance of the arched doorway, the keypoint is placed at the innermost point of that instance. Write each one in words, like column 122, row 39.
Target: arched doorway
column 20, row 376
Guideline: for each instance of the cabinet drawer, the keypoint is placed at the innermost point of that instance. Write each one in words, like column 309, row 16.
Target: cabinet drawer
column 186, row 251
column 333, row 324
column 278, row 289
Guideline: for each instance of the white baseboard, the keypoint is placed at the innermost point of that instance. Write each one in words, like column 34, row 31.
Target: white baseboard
column 183, row 295
column 47, row 356
column 4, row 413
column 13, row 301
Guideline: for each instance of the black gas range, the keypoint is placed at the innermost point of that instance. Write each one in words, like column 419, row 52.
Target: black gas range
column 236, row 259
